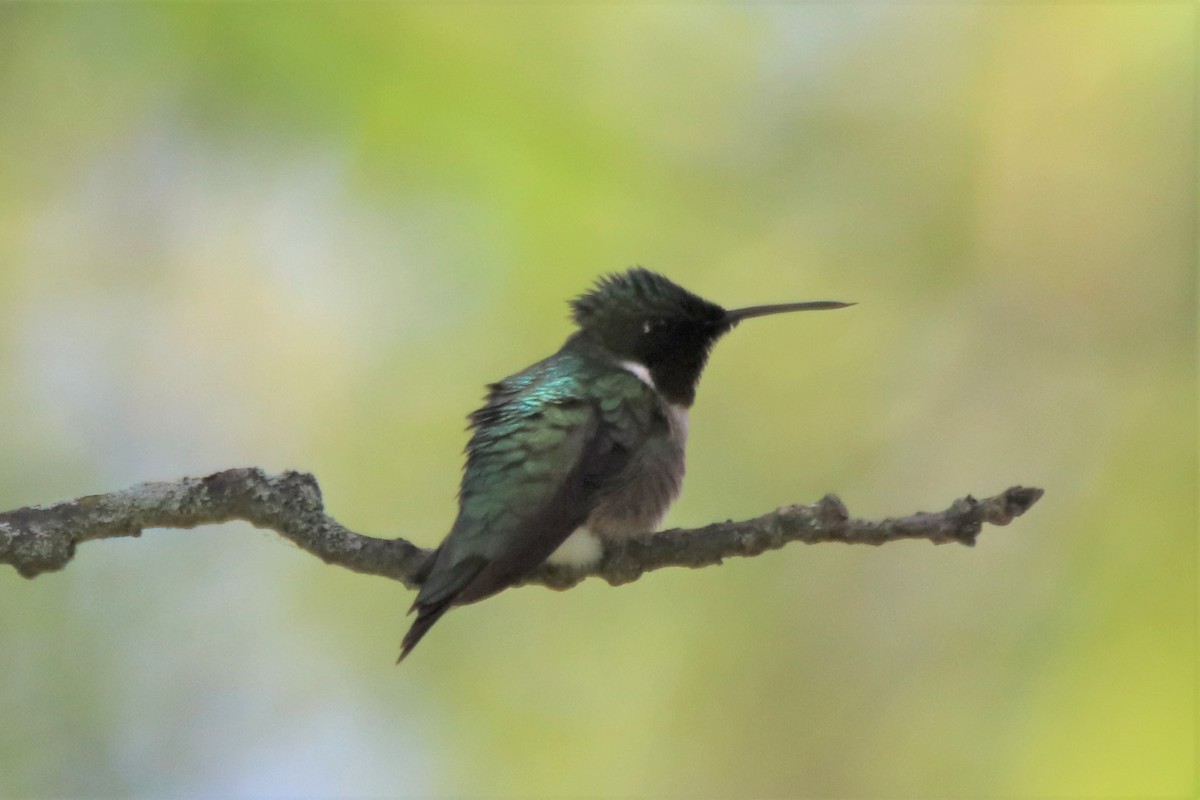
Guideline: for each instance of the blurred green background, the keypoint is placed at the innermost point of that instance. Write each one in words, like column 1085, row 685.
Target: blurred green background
column 306, row 235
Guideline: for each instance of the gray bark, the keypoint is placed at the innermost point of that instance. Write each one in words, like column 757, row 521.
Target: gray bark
column 38, row 539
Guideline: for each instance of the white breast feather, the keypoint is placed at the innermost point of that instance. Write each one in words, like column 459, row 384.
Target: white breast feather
column 581, row 549
column 640, row 371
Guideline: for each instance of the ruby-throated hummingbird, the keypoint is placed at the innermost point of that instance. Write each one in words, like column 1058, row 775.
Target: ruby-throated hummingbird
column 583, row 446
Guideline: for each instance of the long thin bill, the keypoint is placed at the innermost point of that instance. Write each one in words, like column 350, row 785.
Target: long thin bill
column 739, row 314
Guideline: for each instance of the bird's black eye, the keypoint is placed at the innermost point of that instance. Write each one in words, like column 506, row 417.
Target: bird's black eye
column 654, row 325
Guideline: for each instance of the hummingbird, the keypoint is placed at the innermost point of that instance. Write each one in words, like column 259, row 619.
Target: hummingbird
column 583, row 447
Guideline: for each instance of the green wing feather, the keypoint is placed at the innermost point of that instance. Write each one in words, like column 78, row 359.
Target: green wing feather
column 541, row 447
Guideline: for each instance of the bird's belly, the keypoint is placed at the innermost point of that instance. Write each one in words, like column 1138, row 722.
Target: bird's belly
column 581, row 549
column 638, row 498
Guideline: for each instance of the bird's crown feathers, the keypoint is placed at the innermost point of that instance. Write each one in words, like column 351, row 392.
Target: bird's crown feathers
column 639, row 294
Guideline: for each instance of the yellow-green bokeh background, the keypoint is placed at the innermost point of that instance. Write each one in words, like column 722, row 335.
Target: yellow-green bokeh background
column 306, row 235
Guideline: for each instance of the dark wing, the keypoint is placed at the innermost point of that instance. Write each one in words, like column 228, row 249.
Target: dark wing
column 540, row 450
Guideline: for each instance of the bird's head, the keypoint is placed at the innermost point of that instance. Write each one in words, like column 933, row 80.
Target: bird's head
column 644, row 319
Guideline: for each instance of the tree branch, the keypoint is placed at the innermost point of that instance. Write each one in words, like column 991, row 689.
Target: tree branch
column 39, row 539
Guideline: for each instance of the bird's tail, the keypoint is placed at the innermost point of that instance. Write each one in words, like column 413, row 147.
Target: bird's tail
column 426, row 616
column 441, row 588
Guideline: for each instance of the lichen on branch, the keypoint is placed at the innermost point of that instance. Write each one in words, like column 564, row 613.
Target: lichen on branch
column 38, row 539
